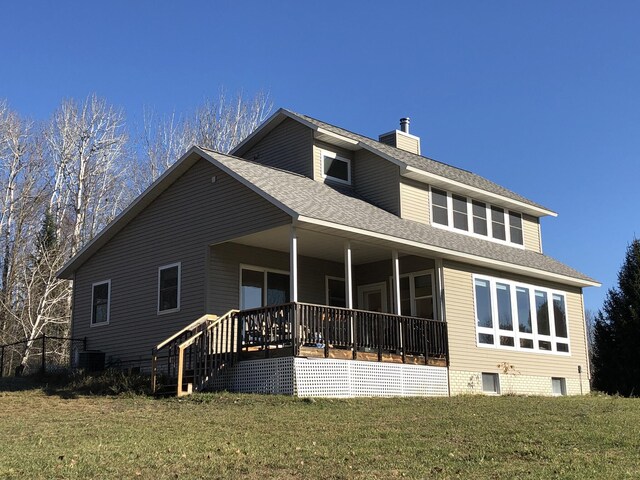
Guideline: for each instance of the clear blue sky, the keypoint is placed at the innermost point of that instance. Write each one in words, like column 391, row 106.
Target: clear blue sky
column 540, row 96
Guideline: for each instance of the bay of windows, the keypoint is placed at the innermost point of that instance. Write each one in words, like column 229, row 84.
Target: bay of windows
column 475, row 217
column 519, row 316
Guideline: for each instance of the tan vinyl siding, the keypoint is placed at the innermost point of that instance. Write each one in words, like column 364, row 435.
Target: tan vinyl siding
column 531, row 233
column 178, row 226
column 288, row 146
column 414, row 201
column 408, row 144
column 377, row 180
column 318, row 146
column 464, row 353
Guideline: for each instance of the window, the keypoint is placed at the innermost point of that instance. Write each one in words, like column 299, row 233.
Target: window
column 460, row 217
column 336, row 292
column 513, row 315
column 558, row 386
column 260, row 287
column 480, row 218
column 416, row 294
column 497, row 223
column 169, row 288
column 439, row 207
column 462, row 214
column 515, row 228
column 491, row 383
column 336, row 168
column 100, row 303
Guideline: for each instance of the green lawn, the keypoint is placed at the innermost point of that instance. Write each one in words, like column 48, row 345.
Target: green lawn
column 58, row 435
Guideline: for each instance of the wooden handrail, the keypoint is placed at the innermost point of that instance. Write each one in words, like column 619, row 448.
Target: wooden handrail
column 191, row 326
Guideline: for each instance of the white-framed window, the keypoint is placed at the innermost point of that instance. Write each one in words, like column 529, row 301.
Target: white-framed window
column 335, row 167
column 100, row 303
column 169, row 283
column 519, row 316
column 473, row 217
column 558, row 386
column 260, row 287
column 336, row 293
column 417, row 294
column 491, row 383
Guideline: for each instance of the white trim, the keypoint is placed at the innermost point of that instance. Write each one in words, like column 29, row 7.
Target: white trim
column 264, row 271
column 453, row 254
column 93, row 285
column 469, row 213
column 348, row 275
column 326, row 287
column 336, row 136
column 293, row 265
column 329, row 154
column 166, row 267
column 515, row 332
column 373, row 287
column 395, row 281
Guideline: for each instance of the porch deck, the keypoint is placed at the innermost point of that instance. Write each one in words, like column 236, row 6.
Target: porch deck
column 195, row 357
column 307, row 330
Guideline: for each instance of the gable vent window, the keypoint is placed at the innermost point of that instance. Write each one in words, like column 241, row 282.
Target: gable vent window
column 465, row 215
column 169, row 288
column 336, row 168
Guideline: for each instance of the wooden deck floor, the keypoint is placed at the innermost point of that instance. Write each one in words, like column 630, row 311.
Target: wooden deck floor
column 338, row 353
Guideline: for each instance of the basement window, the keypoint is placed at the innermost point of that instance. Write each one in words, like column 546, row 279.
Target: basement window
column 335, row 167
column 491, row 383
column 558, row 386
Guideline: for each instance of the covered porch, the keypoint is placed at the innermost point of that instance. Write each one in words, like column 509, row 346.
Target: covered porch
column 308, row 290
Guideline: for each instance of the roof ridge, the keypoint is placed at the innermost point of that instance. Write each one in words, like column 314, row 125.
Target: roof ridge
column 254, row 162
column 382, row 143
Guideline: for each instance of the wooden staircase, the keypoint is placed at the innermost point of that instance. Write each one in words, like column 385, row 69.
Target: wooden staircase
column 193, row 358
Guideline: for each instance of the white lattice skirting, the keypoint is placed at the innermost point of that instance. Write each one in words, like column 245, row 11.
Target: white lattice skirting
column 318, row 377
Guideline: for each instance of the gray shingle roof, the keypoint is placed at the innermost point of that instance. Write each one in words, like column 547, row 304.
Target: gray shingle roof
column 312, row 199
column 422, row 163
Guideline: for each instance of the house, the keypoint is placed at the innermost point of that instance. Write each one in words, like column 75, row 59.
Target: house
column 316, row 261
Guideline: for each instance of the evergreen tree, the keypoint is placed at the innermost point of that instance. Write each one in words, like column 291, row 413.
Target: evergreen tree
column 616, row 352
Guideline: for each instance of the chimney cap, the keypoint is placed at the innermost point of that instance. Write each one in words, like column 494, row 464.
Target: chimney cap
column 404, row 124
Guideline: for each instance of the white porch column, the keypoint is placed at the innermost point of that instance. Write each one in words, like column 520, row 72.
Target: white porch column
column 396, row 281
column 293, row 265
column 439, row 303
column 348, row 275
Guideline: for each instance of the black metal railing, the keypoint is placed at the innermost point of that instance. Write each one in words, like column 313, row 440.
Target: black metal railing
column 298, row 325
column 44, row 353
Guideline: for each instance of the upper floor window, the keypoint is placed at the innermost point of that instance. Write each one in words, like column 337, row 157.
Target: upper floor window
column 100, row 302
column 169, row 288
column 463, row 214
column 335, row 167
column 519, row 316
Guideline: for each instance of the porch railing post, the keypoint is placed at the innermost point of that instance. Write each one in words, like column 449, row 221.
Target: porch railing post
column 379, row 337
column 354, row 345
column 402, row 339
column 294, row 328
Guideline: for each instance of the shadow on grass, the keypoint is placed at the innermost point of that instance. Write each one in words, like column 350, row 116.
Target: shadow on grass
column 71, row 385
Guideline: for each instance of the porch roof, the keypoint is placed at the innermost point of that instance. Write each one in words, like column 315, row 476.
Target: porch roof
column 314, row 203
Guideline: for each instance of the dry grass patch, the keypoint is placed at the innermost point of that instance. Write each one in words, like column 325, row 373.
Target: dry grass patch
column 257, row 437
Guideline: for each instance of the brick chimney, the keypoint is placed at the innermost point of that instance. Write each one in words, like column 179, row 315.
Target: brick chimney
column 402, row 139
